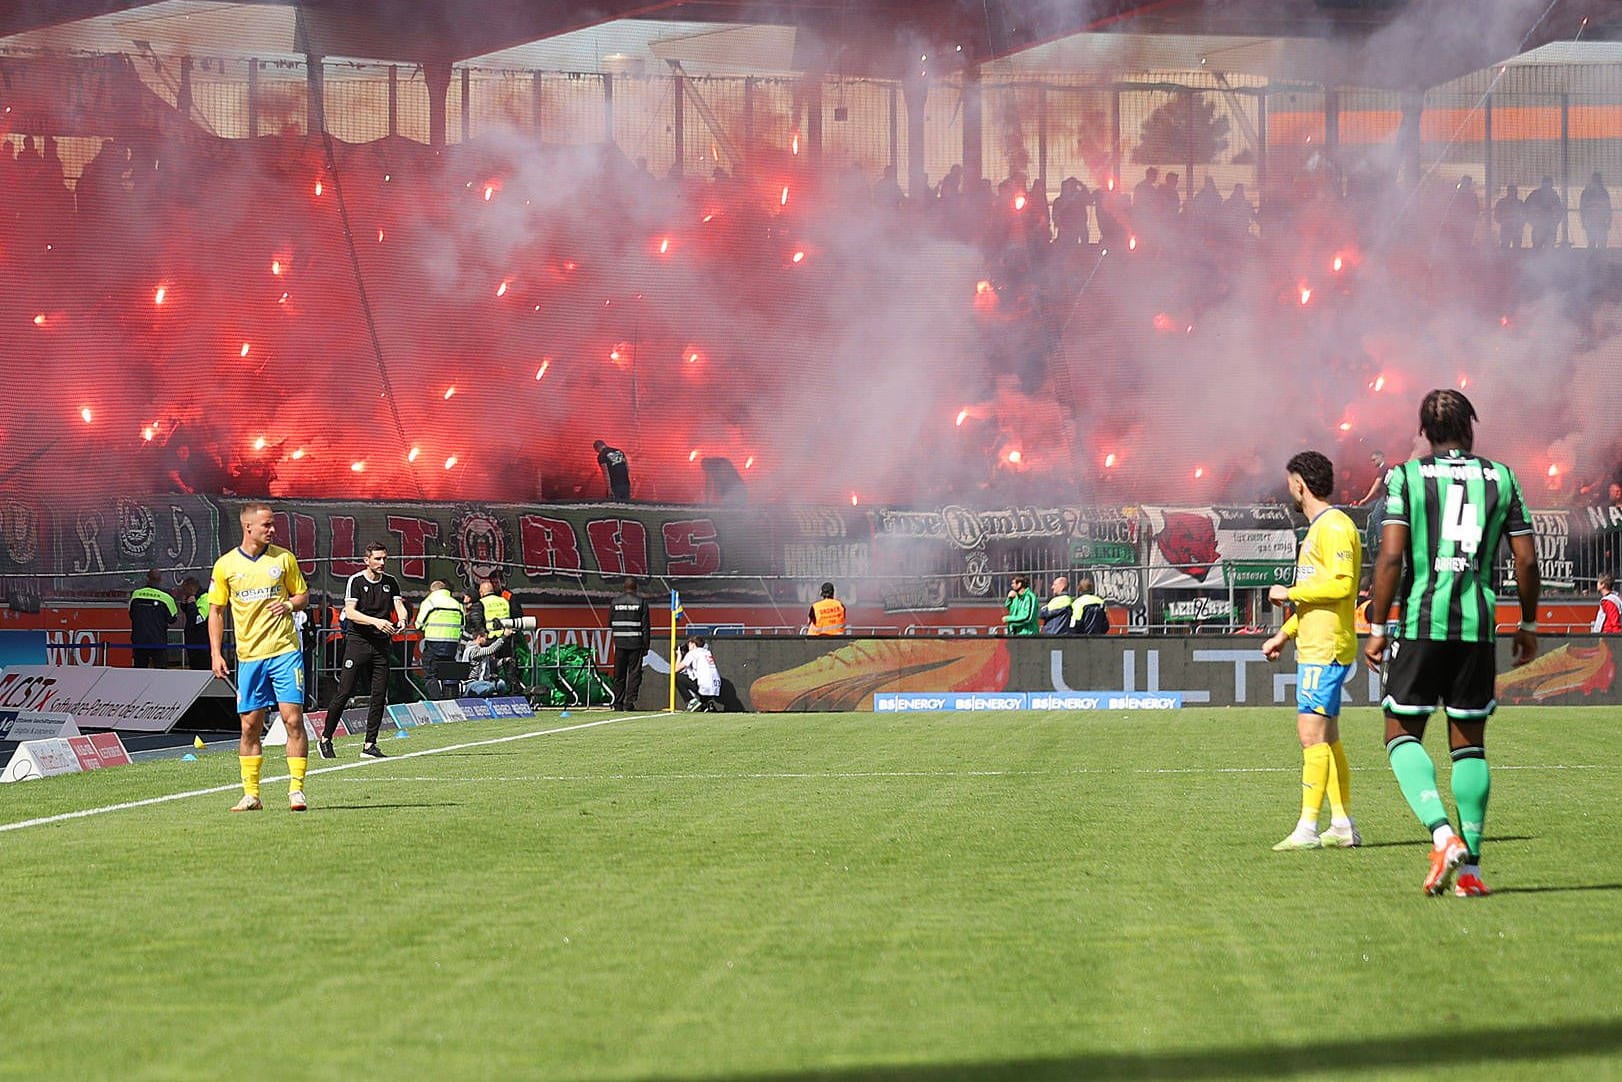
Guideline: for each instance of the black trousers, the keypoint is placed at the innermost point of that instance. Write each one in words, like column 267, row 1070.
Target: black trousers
column 151, row 658
column 627, row 676
column 687, row 688
column 434, row 652
column 197, row 656
column 361, row 654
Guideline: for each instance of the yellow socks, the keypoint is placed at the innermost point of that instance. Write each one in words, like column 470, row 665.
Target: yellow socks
column 1340, row 784
column 251, row 765
column 296, row 765
column 1315, row 766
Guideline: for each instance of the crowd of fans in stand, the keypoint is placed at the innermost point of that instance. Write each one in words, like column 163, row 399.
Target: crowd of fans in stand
column 139, row 198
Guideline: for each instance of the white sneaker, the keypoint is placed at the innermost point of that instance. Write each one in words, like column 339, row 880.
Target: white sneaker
column 1299, row 839
column 296, row 801
column 247, row 803
column 1345, row 837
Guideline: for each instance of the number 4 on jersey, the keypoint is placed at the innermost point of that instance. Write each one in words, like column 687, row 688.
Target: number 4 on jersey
column 1461, row 521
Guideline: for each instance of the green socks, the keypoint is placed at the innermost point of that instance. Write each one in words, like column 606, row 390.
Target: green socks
column 1416, row 774
column 1472, row 785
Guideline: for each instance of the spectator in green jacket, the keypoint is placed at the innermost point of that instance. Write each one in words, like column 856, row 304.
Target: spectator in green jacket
column 1021, row 606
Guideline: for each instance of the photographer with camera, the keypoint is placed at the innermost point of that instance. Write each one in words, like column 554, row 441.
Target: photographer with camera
column 491, row 622
column 373, row 612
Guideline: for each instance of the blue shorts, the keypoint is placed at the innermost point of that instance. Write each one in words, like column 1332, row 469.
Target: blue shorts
column 1317, row 688
column 270, row 680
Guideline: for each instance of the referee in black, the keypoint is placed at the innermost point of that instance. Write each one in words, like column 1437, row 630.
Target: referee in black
column 628, row 619
column 373, row 612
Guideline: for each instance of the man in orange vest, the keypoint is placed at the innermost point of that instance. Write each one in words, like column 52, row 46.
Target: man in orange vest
column 827, row 615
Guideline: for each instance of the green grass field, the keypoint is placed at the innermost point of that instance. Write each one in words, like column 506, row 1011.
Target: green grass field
column 817, row 897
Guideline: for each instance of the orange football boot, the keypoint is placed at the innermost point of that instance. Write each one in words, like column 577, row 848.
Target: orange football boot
column 1443, row 861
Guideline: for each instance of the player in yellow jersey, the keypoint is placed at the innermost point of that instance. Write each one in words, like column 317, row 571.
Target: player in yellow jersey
column 1324, row 627
column 264, row 587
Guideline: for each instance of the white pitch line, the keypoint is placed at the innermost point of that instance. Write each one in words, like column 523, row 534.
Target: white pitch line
column 860, row 774
column 127, row 805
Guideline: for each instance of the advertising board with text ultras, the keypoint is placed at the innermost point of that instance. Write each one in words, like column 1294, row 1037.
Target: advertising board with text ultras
column 903, row 702
column 1116, row 672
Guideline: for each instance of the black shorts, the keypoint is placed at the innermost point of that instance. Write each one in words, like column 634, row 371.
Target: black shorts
column 1420, row 673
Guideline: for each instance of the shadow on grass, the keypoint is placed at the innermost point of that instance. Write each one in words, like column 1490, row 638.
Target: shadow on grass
column 387, row 807
column 1492, row 1048
column 1421, row 843
column 1557, row 889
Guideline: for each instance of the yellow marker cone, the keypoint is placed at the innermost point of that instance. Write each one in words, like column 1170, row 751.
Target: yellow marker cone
column 197, row 742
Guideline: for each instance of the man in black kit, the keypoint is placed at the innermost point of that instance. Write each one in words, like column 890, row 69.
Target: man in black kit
column 373, row 611
column 628, row 619
column 616, row 470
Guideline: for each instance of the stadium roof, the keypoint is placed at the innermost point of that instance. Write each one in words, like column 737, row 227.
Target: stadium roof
column 1398, row 43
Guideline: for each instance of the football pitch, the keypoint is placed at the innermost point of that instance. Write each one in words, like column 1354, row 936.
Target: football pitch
column 833, row 896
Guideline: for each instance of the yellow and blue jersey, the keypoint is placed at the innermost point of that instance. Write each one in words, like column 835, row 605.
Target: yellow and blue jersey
column 250, row 584
column 1327, row 569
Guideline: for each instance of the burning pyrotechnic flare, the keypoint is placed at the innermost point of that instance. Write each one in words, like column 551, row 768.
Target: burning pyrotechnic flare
column 1379, row 383
column 664, row 246
column 784, row 200
column 85, row 413
column 853, row 500
column 799, row 257
column 794, row 145
column 1014, row 457
column 276, row 266
column 693, row 455
column 1019, row 202
column 749, row 463
column 318, row 187
column 1199, row 472
column 541, row 371
column 259, row 443
column 1109, row 461
column 414, row 454
column 501, row 290
column 380, row 236
column 358, row 467
column 1131, row 244
column 962, row 415
column 39, row 320
column 1337, row 264
column 1306, row 294
column 157, row 298
column 148, row 432
column 244, row 349
column 489, row 190
column 450, row 462
column 298, row 454
column 450, row 392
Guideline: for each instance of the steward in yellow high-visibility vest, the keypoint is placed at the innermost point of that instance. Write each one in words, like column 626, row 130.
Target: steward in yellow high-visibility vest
column 440, row 617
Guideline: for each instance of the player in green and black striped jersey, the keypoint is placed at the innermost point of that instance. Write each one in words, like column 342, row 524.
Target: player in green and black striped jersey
column 1445, row 517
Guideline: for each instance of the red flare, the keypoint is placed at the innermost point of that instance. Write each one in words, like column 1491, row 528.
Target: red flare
column 1464, row 381
column 450, row 462
column 853, row 500
column 799, row 257
column 318, row 188
column 664, row 246
column 413, row 454
column 276, row 266
column 541, row 371
column 157, row 298
column 1109, row 461
column 1015, row 457
column 489, row 190
column 380, row 236
column 784, row 200
column 693, row 457
column 1336, row 265
column 244, row 349
column 298, row 454
column 358, row 467
column 1306, row 294
column 1164, row 323
column 1019, row 202
column 148, row 432
column 85, row 413
column 962, row 415
column 794, row 145
column 39, row 320
column 501, row 290
column 749, row 463
column 1554, row 471
column 259, row 443
column 1199, row 472
column 1131, row 244
column 1378, row 384
column 449, row 392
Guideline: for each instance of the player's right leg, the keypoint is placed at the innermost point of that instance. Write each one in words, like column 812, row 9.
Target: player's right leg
column 253, row 686
column 341, row 696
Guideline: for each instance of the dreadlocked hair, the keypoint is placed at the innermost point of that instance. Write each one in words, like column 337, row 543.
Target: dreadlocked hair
column 1446, row 416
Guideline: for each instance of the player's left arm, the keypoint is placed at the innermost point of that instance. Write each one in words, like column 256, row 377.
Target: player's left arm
column 1334, row 559
column 1528, row 580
